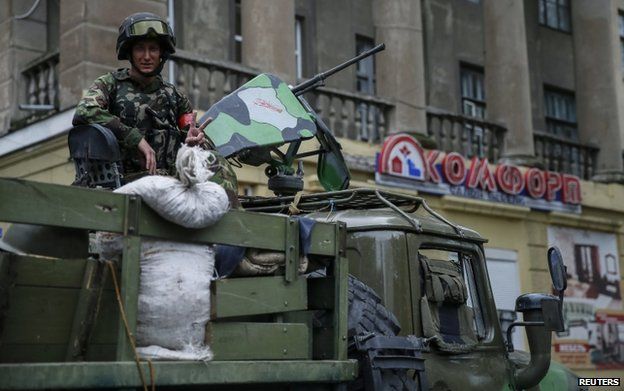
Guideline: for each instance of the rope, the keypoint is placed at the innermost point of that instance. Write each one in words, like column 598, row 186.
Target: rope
column 129, row 334
column 292, row 208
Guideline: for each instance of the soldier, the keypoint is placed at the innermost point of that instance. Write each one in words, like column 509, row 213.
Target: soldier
column 149, row 116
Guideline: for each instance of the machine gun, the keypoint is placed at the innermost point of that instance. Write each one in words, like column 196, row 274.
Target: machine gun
column 319, row 79
column 253, row 122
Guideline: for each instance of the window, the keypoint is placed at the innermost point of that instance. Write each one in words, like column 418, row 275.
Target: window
column 472, row 91
column 365, row 83
column 469, row 307
column 299, row 46
column 473, row 103
column 237, row 54
column 365, row 71
column 555, row 14
column 621, row 33
column 560, row 113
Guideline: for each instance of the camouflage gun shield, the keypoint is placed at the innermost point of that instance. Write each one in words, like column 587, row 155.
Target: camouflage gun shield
column 261, row 113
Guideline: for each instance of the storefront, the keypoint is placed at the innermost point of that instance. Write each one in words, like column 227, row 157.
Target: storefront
column 523, row 211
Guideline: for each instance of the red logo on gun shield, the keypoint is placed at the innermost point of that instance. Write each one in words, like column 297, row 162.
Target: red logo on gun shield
column 267, row 105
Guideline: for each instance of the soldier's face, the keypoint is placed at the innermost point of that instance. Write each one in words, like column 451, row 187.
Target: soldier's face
column 146, row 55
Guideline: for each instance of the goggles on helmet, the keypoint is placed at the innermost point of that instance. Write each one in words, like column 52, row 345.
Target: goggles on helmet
column 143, row 27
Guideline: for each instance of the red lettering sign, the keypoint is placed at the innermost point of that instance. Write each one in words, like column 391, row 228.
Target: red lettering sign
column 401, row 155
column 571, row 189
column 432, row 172
column 553, row 184
column 535, row 182
column 509, row 179
column 480, row 175
column 454, row 168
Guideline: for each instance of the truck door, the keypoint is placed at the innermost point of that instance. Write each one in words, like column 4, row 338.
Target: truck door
column 453, row 309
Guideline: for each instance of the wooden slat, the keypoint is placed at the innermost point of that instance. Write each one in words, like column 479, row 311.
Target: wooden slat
column 22, row 353
column 40, row 353
column 257, row 295
column 106, row 325
column 39, row 315
column 245, row 229
column 323, row 239
column 259, row 341
column 124, row 374
column 86, row 310
column 47, row 272
column 341, row 301
column 129, row 286
column 22, row 202
column 341, row 308
column 292, row 250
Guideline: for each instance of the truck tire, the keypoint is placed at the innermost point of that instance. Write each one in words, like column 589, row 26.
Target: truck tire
column 366, row 315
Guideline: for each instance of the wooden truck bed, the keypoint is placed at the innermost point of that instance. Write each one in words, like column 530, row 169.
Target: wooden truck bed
column 59, row 319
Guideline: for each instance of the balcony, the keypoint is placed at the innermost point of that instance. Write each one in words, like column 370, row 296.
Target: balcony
column 38, row 91
column 563, row 155
column 467, row 135
column 351, row 115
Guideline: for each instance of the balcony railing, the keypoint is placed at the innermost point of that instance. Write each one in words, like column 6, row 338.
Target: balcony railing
column 466, row 135
column 205, row 81
column 563, row 155
column 351, row 115
column 38, row 91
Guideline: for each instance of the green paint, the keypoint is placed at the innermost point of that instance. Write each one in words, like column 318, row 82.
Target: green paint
column 124, row 374
column 258, row 295
column 292, row 104
column 261, row 80
column 259, row 341
column 221, row 130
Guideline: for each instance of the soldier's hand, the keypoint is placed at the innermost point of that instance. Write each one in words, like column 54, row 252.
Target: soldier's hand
column 149, row 155
column 195, row 134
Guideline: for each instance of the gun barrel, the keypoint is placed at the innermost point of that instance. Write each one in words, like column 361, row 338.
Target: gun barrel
column 300, row 88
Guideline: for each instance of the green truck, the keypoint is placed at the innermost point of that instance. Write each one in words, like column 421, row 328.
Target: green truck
column 395, row 296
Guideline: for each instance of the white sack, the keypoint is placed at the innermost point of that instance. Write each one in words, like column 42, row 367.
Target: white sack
column 174, row 291
column 191, row 201
column 174, row 298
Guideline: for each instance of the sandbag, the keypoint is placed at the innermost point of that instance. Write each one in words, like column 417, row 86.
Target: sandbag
column 174, row 290
column 174, row 299
column 190, row 201
column 261, row 262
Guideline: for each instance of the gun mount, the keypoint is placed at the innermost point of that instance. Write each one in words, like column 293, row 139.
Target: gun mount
column 253, row 122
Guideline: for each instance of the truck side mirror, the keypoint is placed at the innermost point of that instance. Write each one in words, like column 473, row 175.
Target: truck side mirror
column 542, row 314
column 557, row 270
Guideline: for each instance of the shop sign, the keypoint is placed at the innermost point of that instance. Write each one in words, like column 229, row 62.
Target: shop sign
column 402, row 162
column 593, row 338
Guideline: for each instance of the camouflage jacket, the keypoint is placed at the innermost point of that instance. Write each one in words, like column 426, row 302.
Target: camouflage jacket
column 133, row 112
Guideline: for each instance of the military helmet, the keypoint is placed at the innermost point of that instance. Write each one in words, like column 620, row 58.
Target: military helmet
column 144, row 25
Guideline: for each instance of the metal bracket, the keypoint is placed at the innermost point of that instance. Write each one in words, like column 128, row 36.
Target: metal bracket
column 385, row 353
column 292, row 250
column 132, row 215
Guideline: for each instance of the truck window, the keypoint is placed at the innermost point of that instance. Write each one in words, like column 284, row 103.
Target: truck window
column 449, row 283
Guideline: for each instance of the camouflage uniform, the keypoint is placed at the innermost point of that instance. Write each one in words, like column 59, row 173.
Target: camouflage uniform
column 133, row 112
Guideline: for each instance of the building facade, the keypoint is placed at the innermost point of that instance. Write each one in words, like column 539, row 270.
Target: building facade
column 528, row 84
